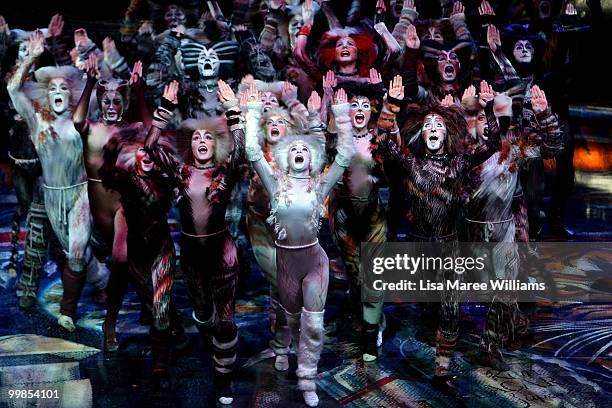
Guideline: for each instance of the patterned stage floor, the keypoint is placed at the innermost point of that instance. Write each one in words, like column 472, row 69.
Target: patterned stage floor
column 552, row 369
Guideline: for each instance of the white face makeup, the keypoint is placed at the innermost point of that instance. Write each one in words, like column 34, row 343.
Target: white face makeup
column 202, row 146
column 346, row 50
column 523, row 51
column 360, row 111
column 295, row 24
column 276, row 128
column 208, row 63
column 299, row 158
column 59, row 95
column 269, row 100
column 112, row 106
column 434, row 133
column 143, row 161
column 448, row 66
column 23, row 51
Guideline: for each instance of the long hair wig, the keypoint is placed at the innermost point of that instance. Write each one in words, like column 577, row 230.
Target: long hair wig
column 456, row 128
column 215, row 125
column 292, row 127
column 367, row 51
column 316, row 146
column 38, row 91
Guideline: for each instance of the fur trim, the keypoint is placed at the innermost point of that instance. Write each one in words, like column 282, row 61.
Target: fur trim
column 315, row 145
column 292, row 128
column 217, row 126
column 38, row 91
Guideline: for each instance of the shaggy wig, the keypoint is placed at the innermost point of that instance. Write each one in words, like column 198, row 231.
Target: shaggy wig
column 456, row 128
column 129, row 140
column 292, row 128
column 367, row 51
column 217, row 126
column 38, row 91
column 315, row 145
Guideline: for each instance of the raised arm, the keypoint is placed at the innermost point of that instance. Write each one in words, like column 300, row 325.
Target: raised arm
column 79, row 117
column 163, row 114
column 492, row 144
column 300, row 52
column 136, row 82
column 254, row 153
column 22, row 103
column 392, row 103
column 407, row 17
column 345, row 148
column 228, row 100
column 270, row 30
column 550, row 135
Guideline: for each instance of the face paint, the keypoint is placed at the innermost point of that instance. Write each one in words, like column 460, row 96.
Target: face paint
column 208, row 63
column 143, row 161
column 434, row 133
column 523, row 51
column 202, row 146
column 174, row 16
column 58, row 94
column 112, row 105
column 276, row 128
column 269, row 100
column 360, row 111
column 295, row 24
column 434, row 34
column 299, row 157
column 448, row 66
column 23, row 51
column 482, row 126
column 346, row 50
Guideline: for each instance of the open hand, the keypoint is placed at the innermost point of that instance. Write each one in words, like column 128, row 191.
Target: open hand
column 486, row 94
column 396, row 88
column 412, row 39
column 340, row 97
column 458, row 8
column 252, row 93
column 485, row 9
column 36, row 44
column 56, row 26
column 91, row 67
column 4, row 28
column 225, row 93
column 289, row 91
column 136, row 74
column 329, row 80
column 314, row 102
column 171, row 92
column 447, row 101
column 375, row 77
column 469, row 92
column 538, row 99
column 493, row 38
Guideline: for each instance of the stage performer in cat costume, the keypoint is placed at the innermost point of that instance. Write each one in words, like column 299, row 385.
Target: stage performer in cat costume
column 297, row 192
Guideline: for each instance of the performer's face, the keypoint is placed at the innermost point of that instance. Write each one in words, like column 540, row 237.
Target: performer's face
column 523, row 51
column 269, row 100
column 111, row 106
column 434, row 133
column 295, row 24
column 448, row 66
column 23, row 51
column 544, row 8
column 208, row 63
column 433, row 33
column 482, row 126
column 59, row 95
column 143, row 161
column 299, row 158
column 346, row 50
column 174, row 16
column 276, row 128
column 202, row 146
column 360, row 110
